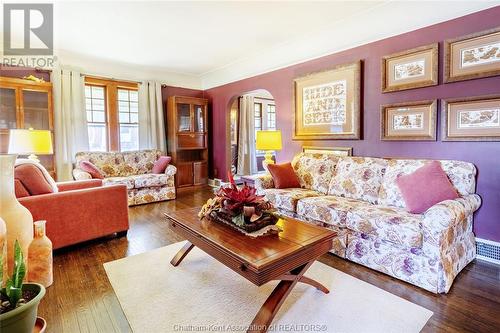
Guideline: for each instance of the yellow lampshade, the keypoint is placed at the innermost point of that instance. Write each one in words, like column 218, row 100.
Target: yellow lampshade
column 268, row 140
column 30, row 141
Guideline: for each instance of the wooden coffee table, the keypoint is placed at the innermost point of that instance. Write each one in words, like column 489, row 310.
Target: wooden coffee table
column 284, row 257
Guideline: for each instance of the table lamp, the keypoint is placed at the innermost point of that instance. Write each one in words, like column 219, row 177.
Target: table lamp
column 268, row 141
column 30, row 142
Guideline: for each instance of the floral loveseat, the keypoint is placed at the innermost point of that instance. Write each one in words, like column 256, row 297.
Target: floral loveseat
column 132, row 169
column 358, row 198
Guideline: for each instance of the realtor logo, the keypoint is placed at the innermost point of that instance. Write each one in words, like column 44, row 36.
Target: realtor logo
column 28, row 29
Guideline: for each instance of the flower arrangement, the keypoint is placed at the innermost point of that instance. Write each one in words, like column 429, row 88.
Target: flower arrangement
column 240, row 207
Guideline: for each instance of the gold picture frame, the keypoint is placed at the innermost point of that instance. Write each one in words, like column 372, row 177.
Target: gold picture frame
column 409, row 121
column 414, row 68
column 471, row 118
column 328, row 104
column 472, row 56
column 338, row 151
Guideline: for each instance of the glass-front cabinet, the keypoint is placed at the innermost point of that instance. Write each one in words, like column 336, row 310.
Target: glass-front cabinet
column 188, row 139
column 190, row 118
column 26, row 104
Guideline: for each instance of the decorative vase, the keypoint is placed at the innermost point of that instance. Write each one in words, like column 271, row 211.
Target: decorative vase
column 18, row 219
column 3, row 249
column 40, row 257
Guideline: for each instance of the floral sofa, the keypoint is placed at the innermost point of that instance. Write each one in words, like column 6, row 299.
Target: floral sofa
column 132, row 169
column 358, row 198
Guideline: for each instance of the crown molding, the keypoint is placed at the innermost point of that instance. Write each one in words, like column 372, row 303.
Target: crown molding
column 362, row 28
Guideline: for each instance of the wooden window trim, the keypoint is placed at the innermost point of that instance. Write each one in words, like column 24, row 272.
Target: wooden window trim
column 111, row 106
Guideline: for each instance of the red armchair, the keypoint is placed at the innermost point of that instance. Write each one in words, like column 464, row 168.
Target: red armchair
column 80, row 211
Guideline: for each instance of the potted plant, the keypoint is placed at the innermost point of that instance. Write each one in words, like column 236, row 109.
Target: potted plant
column 241, row 208
column 19, row 301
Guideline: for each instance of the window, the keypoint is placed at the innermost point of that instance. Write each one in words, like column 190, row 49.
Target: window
column 96, row 117
column 271, row 117
column 264, row 116
column 112, row 114
column 258, row 117
column 128, row 108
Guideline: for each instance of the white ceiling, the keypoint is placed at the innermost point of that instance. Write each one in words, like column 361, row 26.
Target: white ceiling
column 206, row 44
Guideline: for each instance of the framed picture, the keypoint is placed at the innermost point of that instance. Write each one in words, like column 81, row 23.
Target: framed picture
column 410, row 121
column 472, row 56
column 328, row 104
column 339, row 151
column 471, row 119
column 410, row 69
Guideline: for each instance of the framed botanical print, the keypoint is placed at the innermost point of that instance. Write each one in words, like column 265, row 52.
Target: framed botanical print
column 328, row 104
column 410, row 121
column 471, row 119
column 472, row 56
column 410, row 69
column 338, row 151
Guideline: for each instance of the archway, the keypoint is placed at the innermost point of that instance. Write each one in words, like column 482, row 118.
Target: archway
column 264, row 116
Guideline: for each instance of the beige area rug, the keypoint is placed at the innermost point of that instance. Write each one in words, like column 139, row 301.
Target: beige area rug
column 202, row 295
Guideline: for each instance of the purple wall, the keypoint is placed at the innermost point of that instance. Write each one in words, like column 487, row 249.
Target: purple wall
column 485, row 155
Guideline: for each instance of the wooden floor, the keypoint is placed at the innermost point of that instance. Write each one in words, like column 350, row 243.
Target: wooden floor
column 82, row 300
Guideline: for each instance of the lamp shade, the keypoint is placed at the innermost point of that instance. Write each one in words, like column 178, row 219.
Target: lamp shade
column 268, row 140
column 30, row 141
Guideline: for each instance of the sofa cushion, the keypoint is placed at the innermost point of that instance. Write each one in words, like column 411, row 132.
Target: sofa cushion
column 149, row 180
column 358, row 178
column 287, row 198
column 322, row 172
column 461, row 174
column 328, row 209
column 128, row 181
column 391, row 224
column 314, row 170
column 140, row 162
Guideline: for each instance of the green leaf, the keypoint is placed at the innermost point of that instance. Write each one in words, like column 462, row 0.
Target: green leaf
column 239, row 220
column 8, row 286
column 19, row 266
column 15, row 295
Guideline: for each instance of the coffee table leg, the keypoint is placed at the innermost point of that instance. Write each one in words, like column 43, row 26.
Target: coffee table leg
column 176, row 260
column 273, row 303
column 306, row 280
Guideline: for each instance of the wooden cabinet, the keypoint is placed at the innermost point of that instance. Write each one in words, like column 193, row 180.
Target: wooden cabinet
column 26, row 104
column 187, row 139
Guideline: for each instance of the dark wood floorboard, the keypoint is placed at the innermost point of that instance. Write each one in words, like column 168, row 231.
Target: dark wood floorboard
column 82, row 299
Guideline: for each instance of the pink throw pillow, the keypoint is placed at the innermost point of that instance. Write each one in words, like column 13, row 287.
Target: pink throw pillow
column 161, row 164
column 91, row 169
column 425, row 187
column 32, row 179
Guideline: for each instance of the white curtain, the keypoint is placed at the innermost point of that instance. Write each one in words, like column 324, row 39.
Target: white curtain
column 151, row 123
column 247, row 162
column 70, row 119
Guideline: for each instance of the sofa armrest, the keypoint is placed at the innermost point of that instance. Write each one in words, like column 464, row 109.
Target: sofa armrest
column 263, row 182
column 170, row 170
column 78, row 184
column 76, row 216
column 450, row 212
column 79, row 174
